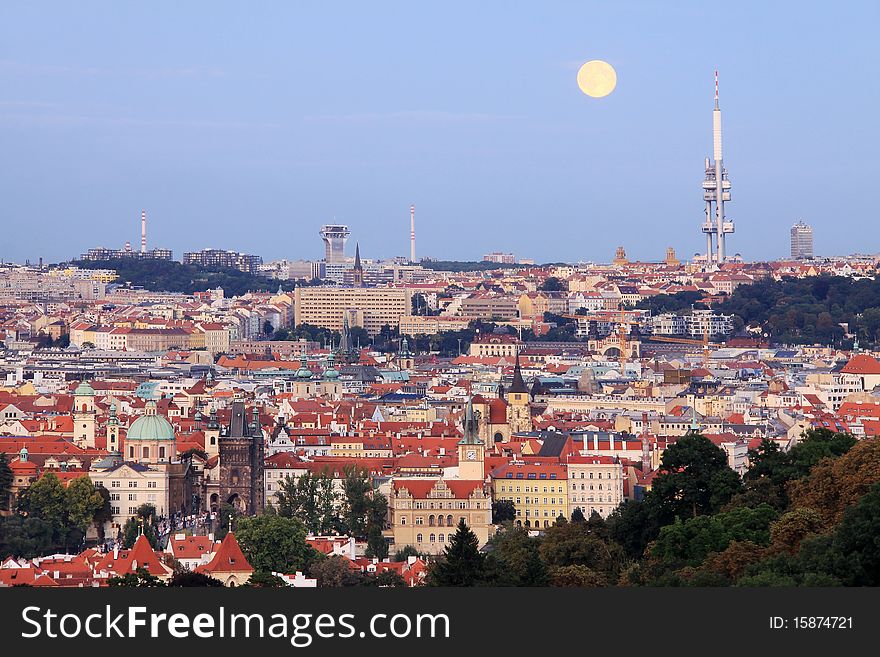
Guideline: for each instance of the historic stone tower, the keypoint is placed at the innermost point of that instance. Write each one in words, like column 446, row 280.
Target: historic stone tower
column 241, row 461
column 471, row 449
column 84, row 416
column 519, row 413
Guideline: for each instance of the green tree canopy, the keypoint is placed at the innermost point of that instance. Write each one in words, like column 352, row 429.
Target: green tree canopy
column 273, row 543
column 694, row 479
column 462, row 564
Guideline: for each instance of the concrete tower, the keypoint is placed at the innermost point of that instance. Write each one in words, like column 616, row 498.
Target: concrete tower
column 334, row 236
column 716, row 190
column 412, row 233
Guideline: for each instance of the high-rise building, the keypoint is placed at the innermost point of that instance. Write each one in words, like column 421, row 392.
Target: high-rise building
column 502, row 258
column 219, row 258
column 801, row 241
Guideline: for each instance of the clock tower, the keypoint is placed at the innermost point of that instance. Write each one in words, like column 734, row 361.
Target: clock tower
column 471, row 449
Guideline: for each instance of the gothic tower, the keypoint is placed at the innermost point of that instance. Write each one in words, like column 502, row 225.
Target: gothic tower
column 471, row 450
column 358, row 271
column 242, row 451
column 519, row 414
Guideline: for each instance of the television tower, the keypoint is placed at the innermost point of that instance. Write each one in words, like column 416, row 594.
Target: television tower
column 335, row 236
column 143, row 232
column 412, row 233
column 716, row 190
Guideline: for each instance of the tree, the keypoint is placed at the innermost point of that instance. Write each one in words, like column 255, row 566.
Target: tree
column 6, row 479
column 311, row 499
column 837, row 483
column 83, row 503
column 633, row 525
column 357, row 486
column 335, row 571
column 789, row 531
column 552, row 284
column 26, row 536
column 733, row 560
column 144, row 521
column 45, row 499
column 268, row 329
column 385, row 579
column 687, row 542
column 461, row 563
column 226, row 516
column 572, row 543
column 274, row 543
column 405, row 553
column 104, row 514
column 188, row 578
column 856, row 544
column 141, row 579
column 519, row 558
column 377, row 546
column 264, row 580
column 694, row 479
column 578, row 516
column 576, row 575
column 503, row 511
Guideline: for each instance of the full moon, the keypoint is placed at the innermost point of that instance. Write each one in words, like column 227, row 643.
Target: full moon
column 597, row 78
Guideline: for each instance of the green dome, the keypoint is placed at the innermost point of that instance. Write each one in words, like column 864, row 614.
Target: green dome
column 303, row 372
column 150, row 426
column 84, row 390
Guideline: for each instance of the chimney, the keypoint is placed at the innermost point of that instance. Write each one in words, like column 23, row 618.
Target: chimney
column 143, row 232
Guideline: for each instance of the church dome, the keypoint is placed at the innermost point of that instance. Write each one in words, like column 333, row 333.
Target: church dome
column 150, row 426
column 84, row 390
column 303, row 372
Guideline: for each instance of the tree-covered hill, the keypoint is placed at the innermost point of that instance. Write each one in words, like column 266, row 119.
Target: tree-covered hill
column 172, row 276
column 810, row 310
column 796, row 310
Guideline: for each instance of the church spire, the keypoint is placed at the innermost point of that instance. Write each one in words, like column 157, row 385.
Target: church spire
column 470, row 426
column 518, row 385
column 358, row 271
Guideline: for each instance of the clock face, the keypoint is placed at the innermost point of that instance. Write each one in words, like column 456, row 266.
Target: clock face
column 471, row 454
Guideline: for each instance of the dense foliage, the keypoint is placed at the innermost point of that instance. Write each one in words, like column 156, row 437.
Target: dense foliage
column 809, row 516
column 808, row 310
column 172, row 276
column 51, row 518
column 358, row 510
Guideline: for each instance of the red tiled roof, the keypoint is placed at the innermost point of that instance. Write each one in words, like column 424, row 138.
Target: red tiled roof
column 227, row 559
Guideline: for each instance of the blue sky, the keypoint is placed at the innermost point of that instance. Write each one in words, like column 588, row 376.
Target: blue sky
column 248, row 125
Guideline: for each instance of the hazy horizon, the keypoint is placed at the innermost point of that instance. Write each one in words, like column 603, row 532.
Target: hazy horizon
column 247, row 127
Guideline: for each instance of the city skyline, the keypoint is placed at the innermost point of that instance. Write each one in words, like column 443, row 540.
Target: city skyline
column 252, row 148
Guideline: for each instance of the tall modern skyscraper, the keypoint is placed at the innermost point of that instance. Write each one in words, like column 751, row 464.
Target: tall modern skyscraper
column 716, row 192
column 801, row 241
